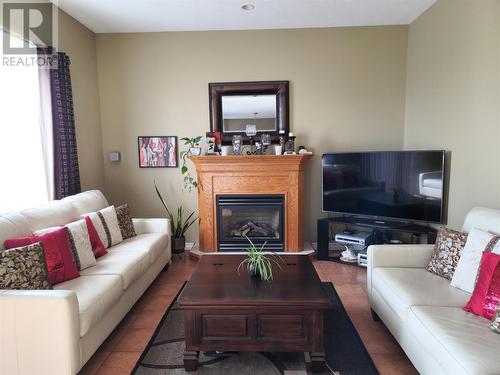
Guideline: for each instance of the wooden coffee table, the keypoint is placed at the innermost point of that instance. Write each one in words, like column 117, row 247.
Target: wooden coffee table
column 229, row 312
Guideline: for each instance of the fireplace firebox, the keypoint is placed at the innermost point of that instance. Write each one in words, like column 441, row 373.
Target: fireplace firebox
column 258, row 217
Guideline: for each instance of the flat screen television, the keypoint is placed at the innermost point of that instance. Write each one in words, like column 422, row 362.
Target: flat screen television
column 399, row 185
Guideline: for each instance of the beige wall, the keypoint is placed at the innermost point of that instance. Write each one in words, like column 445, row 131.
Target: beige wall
column 347, row 93
column 453, row 97
column 79, row 43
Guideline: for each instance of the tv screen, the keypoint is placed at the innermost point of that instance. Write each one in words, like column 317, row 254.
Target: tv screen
column 400, row 185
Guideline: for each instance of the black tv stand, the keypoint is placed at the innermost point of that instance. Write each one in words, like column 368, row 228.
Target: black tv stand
column 382, row 231
column 370, row 223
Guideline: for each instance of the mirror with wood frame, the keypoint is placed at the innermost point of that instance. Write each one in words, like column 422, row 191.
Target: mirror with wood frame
column 261, row 105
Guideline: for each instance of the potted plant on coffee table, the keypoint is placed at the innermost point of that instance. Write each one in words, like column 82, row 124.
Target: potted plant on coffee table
column 258, row 263
column 180, row 224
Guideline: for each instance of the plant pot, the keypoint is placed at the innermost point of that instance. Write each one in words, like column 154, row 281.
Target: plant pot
column 253, row 270
column 178, row 244
column 195, row 151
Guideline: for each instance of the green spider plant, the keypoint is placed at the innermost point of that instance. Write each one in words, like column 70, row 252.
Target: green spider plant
column 258, row 263
column 183, row 220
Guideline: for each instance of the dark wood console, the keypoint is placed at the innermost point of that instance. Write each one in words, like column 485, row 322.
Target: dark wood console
column 229, row 312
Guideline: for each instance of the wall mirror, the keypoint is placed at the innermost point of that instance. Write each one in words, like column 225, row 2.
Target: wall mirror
column 235, row 105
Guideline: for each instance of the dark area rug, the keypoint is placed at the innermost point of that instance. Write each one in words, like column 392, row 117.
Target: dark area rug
column 345, row 352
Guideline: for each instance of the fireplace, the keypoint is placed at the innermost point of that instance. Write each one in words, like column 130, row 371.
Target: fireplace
column 258, row 217
column 242, row 176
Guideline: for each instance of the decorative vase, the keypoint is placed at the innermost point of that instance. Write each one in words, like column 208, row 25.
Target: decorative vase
column 178, row 244
column 195, row 151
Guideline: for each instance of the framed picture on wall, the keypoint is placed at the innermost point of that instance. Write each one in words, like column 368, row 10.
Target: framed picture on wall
column 157, row 152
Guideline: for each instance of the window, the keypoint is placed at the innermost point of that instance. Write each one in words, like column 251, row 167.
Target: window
column 23, row 171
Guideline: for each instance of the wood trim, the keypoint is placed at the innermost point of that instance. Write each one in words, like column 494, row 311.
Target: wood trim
column 258, row 174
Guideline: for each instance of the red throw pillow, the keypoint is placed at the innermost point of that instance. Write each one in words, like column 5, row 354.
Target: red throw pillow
column 486, row 294
column 97, row 247
column 57, row 253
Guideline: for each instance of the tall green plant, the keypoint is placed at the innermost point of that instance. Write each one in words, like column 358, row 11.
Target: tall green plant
column 182, row 221
column 257, row 262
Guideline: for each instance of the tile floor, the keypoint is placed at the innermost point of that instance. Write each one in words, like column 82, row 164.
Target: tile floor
column 119, row 353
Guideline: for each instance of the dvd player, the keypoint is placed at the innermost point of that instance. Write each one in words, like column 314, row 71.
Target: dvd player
column 354, row 238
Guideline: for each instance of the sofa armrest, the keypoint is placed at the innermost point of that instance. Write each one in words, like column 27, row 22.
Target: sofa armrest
column 144, row 226
column 39, row 332
column 396, row 256
column 400, row 256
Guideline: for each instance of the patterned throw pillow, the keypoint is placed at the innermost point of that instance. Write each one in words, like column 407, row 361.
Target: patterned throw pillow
column 106, row 224
column 495, row 322
column 80, row 244
column 57, row 252
column 24, row 268
column 449, row 245
column 125, row 221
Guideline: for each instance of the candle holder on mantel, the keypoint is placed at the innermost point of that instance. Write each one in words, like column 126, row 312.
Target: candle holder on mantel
column 251, row 131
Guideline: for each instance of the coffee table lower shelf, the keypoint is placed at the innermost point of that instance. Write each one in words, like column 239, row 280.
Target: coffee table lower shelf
column 255, row 329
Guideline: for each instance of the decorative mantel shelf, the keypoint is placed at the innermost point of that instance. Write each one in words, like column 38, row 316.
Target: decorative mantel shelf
column 255, row 174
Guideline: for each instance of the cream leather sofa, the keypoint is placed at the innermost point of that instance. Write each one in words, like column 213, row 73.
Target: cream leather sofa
column 57, row 331
column 424, row 312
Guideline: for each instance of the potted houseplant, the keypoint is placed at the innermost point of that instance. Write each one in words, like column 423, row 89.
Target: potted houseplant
column 194, row 145
column 258, row 263
column 195, row 150
column 180, row 224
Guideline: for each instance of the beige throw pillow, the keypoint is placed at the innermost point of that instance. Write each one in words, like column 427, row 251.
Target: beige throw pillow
column 80, row 245
column 467, row 269
column 106, row 224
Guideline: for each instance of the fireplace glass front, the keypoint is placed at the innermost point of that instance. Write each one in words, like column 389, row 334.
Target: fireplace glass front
column 258, row 217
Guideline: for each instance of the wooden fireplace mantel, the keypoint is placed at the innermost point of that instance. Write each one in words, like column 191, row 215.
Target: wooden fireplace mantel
column 255, row 174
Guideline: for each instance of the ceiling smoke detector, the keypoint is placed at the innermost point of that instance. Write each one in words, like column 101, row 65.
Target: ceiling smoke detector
column 248, row 7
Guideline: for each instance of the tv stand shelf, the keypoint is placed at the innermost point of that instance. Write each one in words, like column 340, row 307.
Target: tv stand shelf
column 382, row 231
column 388, row 225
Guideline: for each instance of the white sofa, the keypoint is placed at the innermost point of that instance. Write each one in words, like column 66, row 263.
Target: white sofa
column 424, row 312
column 57, row 331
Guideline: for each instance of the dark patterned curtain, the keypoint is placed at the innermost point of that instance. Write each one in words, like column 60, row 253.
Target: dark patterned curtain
column 66, row 170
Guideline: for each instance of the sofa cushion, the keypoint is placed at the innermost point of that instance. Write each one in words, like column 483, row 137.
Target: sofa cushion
column 88, row 201
column 57, row 253
column 13, row 225
column 125, row 221
column 24, row 268
column 486, row 295
column 404, row 287
column 96, row 295
column 447, row 250
column 459, row 341
column 97, row 246
column 468, row 266
column 155, row 243
column 52, row 214
column 81, row 245
column 129, row 265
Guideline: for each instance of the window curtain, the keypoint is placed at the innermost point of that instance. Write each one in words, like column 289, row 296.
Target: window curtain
column 46, row 127
column 66, row 169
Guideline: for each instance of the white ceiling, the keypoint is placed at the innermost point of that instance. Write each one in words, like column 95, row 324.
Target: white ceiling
column 119, row 16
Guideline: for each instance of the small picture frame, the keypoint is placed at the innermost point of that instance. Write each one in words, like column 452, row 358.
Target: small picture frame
column 157, row 151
